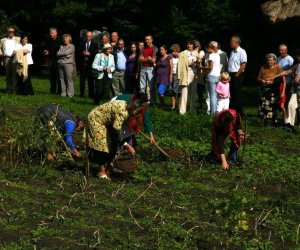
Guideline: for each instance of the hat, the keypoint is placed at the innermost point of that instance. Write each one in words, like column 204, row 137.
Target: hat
column 106, row 46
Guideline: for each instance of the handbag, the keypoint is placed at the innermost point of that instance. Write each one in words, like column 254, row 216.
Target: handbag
column 169, row 92
column 95, row 72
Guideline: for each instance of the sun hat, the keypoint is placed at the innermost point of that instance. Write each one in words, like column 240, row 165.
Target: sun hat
column 106, row 46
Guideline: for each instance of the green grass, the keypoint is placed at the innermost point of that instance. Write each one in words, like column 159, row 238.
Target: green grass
column 164, row 204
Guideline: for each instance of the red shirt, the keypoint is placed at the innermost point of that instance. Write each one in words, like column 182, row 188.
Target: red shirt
column 149, row 51
column 219, row 136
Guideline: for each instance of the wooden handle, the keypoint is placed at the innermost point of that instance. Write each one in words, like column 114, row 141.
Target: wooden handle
column 157, row 146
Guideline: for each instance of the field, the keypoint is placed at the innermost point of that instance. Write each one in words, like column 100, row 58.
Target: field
column 184, row 204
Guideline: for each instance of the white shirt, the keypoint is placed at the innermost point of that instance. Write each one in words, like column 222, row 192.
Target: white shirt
column 27, row 46
column 10, row 46
column 192, row 57
column 175, row 63
column 236, row 59
column 215, row 59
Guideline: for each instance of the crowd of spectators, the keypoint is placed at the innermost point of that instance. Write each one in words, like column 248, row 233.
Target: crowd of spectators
column 113, row 66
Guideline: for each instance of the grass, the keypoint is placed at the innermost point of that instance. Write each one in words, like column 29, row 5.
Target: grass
column 163, row 205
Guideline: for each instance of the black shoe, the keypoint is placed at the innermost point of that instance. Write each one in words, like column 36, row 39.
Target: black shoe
column 289, row 127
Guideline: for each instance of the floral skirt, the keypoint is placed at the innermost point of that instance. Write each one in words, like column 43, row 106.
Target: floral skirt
column 267, row 104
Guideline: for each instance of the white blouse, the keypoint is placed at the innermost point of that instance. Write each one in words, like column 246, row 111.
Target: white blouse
column 27, row 46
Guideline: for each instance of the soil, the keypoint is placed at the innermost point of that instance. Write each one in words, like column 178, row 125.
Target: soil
column 176, row 154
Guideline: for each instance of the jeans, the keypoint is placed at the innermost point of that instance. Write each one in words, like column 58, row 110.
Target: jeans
column 147, row 75
column 212, row 83
column 232, row 157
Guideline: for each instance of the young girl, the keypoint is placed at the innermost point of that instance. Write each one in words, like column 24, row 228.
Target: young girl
column 223, row 92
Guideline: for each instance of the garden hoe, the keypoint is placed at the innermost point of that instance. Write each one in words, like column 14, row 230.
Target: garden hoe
column 158, row 147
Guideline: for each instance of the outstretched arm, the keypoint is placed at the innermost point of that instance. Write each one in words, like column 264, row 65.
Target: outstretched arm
column 69, row 130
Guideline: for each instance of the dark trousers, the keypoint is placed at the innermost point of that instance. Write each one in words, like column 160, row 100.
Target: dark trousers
column 131, row 84
column 55, row 86
column 24, row 87
column 200, row 92
column 235, row 93
column 85, row 74
column 103, row 87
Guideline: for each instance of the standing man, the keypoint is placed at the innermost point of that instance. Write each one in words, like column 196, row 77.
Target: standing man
column 285, row 61
column 114, row 40
column 87, row 51
column 53, row 46
column 236, row 66
column 147, row 59
column 120, row 56
column 7, row 51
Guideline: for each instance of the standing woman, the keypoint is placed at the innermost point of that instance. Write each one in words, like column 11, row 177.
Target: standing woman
column 213, row 73
column 104, row 63
column 24, row 86
column 66, row 60
column 164, row 73
column 269, row 89
column 175, row 50
column 187, row 77
column 200, row 73
column 131, row 71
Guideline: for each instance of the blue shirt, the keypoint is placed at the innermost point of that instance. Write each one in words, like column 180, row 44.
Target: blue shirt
column 121, row 61
column 69, row 130
column 285, row 63
column 236, row 59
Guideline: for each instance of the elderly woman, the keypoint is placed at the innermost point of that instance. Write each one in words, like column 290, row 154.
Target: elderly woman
column 56, row 118
column 272, row 92
column 104, row 63
column 294, row 101
column 104, row 126
column 66, row 61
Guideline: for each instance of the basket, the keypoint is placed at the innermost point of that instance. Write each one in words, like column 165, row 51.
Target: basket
column 126, row 163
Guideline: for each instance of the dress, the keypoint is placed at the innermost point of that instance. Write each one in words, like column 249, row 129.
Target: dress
column 269, row 94
column 163, row 71
column 24, row 85
column 102, row 121
column 131, row 82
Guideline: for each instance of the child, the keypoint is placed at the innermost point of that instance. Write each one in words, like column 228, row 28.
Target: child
column 223, row 92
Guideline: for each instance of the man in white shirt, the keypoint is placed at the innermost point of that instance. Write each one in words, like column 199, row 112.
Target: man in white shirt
column 236, row 66
column 285, row 61
column 7, row 52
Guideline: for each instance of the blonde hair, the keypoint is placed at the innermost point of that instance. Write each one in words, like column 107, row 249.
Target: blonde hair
column 175, row 47
column 225, row 76
column 68, row 36
column 213, row 45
